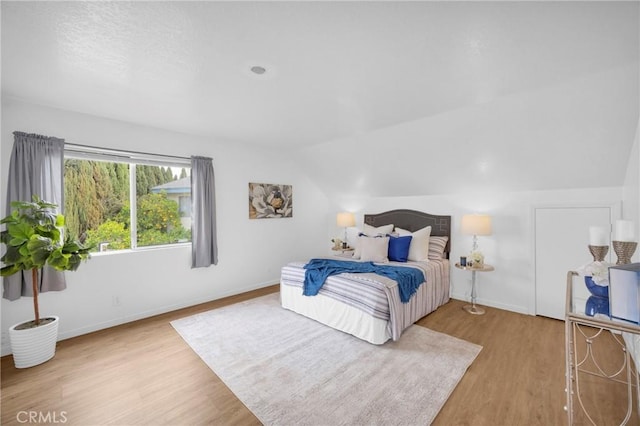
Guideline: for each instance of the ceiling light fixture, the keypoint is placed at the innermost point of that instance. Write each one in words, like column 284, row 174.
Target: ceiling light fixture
column 257, row 69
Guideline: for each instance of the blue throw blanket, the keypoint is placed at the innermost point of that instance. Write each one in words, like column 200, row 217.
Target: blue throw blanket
column 318, row 270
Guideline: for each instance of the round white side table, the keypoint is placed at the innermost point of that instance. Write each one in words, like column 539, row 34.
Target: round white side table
column 472, row 308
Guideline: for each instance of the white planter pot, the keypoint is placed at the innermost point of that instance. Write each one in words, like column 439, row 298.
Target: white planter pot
column 34, row 346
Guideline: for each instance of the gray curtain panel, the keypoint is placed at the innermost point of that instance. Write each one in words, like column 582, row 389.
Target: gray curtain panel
column 36, row 168
column 204, row 245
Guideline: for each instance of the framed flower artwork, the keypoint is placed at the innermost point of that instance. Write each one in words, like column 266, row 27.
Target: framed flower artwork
column 269, row 200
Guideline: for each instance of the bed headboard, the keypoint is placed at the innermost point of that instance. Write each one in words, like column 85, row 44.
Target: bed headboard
column 412, row 220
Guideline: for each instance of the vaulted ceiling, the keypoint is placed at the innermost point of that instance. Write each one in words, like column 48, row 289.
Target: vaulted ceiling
column 488, row 88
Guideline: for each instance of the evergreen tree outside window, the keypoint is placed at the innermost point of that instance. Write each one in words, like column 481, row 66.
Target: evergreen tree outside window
column 121, row 205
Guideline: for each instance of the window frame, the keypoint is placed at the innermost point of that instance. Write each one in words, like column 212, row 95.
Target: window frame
column 132, row 159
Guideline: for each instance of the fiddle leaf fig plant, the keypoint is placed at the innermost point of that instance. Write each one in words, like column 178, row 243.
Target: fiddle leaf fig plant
column 34, row 237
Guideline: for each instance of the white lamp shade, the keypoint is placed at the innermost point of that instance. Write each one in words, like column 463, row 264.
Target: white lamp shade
column 346, row 219
column 476, row 224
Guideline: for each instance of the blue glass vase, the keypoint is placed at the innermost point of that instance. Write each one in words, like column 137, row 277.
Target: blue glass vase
column 597, row 305
column 595, row 289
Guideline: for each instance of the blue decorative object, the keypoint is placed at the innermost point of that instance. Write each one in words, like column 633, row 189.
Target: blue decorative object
column 595, row 289
column 399, row 248
column 597, row 305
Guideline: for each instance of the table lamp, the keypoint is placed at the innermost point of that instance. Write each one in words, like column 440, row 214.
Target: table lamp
column 345, row 220
column 476, row 224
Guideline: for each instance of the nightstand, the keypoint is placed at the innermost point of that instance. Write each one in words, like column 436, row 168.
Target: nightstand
column 472, row 308
column 343, row 252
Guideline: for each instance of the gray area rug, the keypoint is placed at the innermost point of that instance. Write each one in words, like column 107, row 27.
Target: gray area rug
column 290, row 370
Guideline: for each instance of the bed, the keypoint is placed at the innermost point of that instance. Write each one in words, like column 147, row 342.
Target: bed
column 368, row 305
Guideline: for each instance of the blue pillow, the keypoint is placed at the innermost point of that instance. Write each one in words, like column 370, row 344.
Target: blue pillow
column 399, row 248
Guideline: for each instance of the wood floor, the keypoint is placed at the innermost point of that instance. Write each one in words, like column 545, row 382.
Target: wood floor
column 143, row 373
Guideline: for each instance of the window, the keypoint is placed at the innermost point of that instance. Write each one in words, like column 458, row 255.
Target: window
column 185, row 206
column 119, row 200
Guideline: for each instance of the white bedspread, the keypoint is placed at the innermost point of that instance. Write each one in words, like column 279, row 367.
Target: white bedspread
column 342, row 303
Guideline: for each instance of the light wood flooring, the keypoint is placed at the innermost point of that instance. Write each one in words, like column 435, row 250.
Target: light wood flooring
column 143, row 373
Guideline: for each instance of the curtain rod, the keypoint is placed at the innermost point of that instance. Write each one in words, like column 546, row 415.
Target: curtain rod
column 117, row 151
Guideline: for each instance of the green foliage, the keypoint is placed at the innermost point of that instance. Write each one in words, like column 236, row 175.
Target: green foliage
column 180, row 235
column 156, row 212
column 112, row 232
column 98, row 209
column 124, row 215
column 153, row 237
column 141, row 182
column 33, row 239
column 158, row 223
column 94, row 191
column 168, row 176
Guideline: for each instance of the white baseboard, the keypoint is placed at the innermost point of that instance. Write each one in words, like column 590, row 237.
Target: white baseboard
column 493, row 304
column 153, row 312
column 6, row 347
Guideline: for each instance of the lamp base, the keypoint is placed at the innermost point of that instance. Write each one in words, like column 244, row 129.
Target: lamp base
column 473, row 309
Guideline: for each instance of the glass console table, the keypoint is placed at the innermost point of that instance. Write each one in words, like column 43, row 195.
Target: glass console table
column 580, row 326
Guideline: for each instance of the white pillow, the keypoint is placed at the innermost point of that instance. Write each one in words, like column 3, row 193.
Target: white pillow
column 419, row 247
column 373, row 249
column 371, row 231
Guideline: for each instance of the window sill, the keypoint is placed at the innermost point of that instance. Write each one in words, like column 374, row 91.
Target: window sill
column 141, row 249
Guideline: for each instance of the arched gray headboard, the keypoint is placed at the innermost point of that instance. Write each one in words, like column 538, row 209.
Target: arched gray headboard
column 412, row 220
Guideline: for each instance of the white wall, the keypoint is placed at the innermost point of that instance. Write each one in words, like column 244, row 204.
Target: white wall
column 576, row 134
column 154, row 281
column 511, row 247
column 150, row 282
column 546, row 146
column 631, row 190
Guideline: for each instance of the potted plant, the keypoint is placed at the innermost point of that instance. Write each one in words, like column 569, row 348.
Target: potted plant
column 34, row 237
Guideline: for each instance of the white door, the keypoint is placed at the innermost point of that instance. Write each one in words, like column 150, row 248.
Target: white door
column 561, row 244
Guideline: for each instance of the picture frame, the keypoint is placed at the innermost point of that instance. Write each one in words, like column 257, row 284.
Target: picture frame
column 270, row 201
